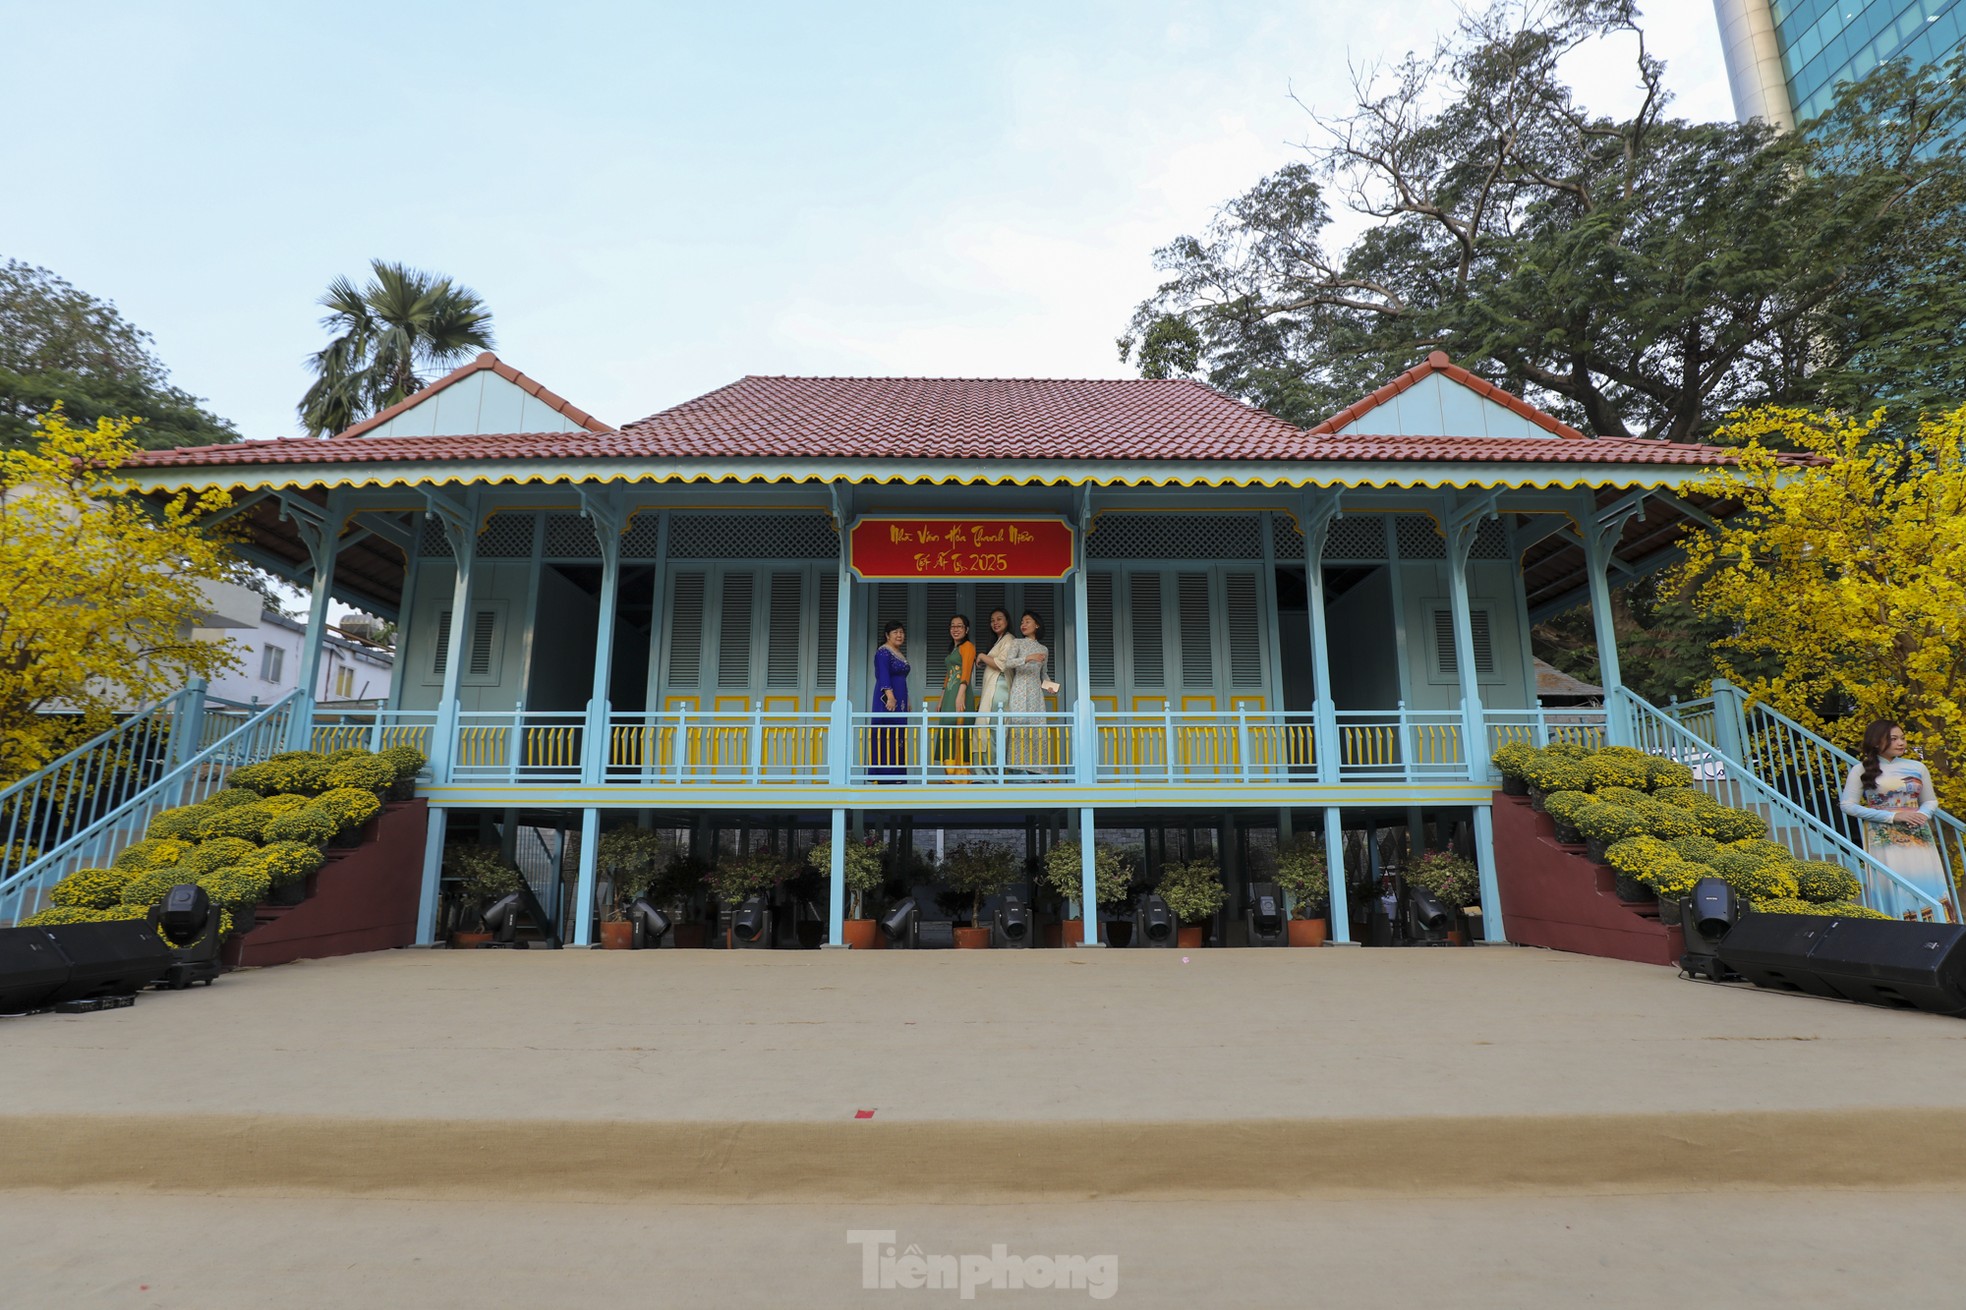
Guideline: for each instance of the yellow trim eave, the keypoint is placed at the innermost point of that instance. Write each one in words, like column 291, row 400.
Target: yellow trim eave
column 1025, row 473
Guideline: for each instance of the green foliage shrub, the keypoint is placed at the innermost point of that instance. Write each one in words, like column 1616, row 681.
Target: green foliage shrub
column 91, row 889
column 1754, row 878
column 1620, row 795
column 407, row 761
column 1727, row 825
column 151, row 852
column 1112, row 876
column 309, row 826
column 246, row 822
column 149, row 885
column 1686, row 798
column 1823, row 882
column 236, row 886
column 1609, row 823
column 1667, row 820
column 862, row 865
column 350, row 807
column 1565, row 806
column 1454, row 878
column 1550, row 771
column 1304, row 876
column 214, row 854
column 1192, row 889
column 1662, row 773
column 1698, row 848
column 1613, row 768
column 231, row 796
column 180, row 824
column 287, row 862
column 481, row 871
column 293, row 771
column 363, row 771
column 733, row 880
column 1512, row 759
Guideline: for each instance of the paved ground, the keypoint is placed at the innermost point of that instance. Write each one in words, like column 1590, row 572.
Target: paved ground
column 1450, row 1128
column 1743, row 1250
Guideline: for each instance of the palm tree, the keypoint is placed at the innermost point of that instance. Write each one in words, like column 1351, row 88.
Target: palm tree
column 392, row 337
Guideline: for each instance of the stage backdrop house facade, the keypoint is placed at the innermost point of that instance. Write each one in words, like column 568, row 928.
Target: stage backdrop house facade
column 1254, row 629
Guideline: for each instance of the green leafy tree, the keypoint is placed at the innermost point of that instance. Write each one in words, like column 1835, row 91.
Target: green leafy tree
column 392, row 337
column 1639, row 275
column 61, row 346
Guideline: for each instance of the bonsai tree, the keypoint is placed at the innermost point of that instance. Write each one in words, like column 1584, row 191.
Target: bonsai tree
column 1304, row 877
column 628, row 858
column 1193, row 890
column 732, row 882
column 482, row 874
column 1062, row 876
column 1454, row 878
column 864, row 867
column 978, row 872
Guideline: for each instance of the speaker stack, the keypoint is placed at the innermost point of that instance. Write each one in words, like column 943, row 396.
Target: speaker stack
column 79, row 965
column 1908, row 966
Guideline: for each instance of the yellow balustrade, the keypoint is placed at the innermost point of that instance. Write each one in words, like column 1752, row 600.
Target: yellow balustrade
column 482, row 747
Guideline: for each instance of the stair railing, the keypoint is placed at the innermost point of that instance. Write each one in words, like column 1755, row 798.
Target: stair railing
column 1734, row 783
column 24, row 888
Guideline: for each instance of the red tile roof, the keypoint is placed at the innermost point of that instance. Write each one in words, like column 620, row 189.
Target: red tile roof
column 487, row 360
column 953, row 419
column 1438, row 362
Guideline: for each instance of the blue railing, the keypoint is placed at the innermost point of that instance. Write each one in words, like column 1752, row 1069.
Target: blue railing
column 1734, row 782
column 24, row 885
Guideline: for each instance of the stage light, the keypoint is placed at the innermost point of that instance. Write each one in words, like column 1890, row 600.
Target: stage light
column 1014, row 923
column 750, row 923
column 650, row 924
column 898, row 925
column 185, row 918
column 1264, row 915
column 1427, row 919
column 1153, row 922
column 1705, row 916
column 502, row 919
column 935, row 935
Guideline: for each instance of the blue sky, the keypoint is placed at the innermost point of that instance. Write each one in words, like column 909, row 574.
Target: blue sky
column 655, row 199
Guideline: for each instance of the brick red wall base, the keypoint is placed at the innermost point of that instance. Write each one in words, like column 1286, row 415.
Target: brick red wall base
column 364, row 899
column 1554, row 895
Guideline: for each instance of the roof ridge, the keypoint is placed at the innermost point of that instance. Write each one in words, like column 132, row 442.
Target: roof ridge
column 1438, row 362
column 485, row 360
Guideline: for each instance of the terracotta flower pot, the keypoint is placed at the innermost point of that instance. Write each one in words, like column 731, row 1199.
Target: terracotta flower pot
column 1308, row 932
column 972, row 939
column 1068, row 933
column 618, row 936
column 464, row 941
column 1191, row 936
column 860, row 934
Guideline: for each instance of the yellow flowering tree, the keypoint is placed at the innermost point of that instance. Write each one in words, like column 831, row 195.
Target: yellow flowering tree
column 1849, row 570
column 99, row 588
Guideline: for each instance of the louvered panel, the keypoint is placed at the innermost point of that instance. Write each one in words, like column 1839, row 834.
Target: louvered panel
column 783, row 625
column 1042, row 597
column 991, row 596
column 686, row 630
column 890, row 606
column 829, row 626
column 443, row 660
column 1449, row 658
column 941, row 606
column 1099, row 629
column 734, row 599
column 1244, row 622
column 1197, row 632
column 484, row 629
column 1145, row 639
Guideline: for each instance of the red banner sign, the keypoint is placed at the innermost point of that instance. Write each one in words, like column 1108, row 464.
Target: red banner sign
column 943, row 546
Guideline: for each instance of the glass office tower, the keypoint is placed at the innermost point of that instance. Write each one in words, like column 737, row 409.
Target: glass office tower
column 1786, row 57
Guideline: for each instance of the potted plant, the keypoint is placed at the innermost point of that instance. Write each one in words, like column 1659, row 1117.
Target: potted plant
column 1194, row 892
column 407, row 761
column 1452, row 877
column 1554, row 769
column 1563, row 807
column 863, row 865
column 676, row 885
column 1603, row 823
column 628, row 859
column 1304, row 877
column 734, row 882
column 975, row 873
column 482, row 877
column 1512, row 761
column 1062, row 876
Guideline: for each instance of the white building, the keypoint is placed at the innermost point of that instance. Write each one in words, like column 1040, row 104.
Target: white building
column 354, row 669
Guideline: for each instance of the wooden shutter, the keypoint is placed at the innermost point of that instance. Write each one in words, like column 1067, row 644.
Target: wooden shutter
column 1484, row 646
column 1145, row 640
column 484, row 637
column 443, row 659
column 1197, row 632
column 1100, row 652
column 1244, row 623
column 735, row 597
column 686, row 629
column 783, row 627
column 829, row 625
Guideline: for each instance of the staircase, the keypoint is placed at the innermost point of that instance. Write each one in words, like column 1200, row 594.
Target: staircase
column 81, row 811
column 1554, row 895
column 1774, row 766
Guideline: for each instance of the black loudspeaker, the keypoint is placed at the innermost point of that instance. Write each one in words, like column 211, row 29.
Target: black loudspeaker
column 1913, row 966
column 118, row 958
column 1265, row 915
column 31, row 969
